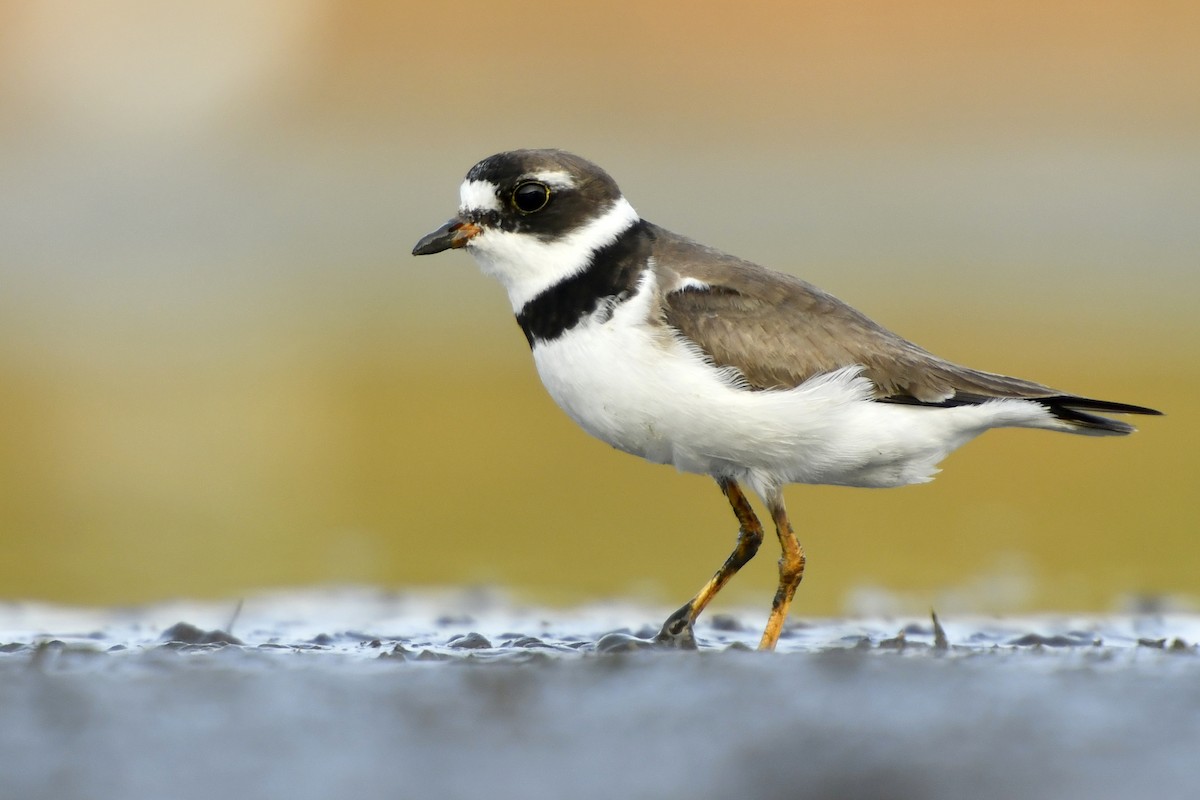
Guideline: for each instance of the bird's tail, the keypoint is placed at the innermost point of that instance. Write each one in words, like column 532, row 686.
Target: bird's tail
column 1074, row 411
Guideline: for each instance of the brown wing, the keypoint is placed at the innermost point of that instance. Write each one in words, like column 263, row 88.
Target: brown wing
column 779, row 331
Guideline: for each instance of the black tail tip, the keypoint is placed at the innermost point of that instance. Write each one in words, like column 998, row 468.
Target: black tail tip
column 1074, row 410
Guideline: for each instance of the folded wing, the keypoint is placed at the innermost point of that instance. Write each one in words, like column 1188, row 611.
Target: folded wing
column 778, row 331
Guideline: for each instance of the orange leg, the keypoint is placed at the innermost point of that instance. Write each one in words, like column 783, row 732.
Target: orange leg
column 791, row 571
column 677, row 630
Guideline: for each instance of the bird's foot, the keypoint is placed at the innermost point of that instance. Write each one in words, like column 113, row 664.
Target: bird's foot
column 677, row 633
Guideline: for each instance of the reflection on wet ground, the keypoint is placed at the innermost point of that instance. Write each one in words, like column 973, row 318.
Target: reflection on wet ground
column 320, row 694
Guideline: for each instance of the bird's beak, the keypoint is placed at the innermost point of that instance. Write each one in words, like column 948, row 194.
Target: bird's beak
column 452, row 235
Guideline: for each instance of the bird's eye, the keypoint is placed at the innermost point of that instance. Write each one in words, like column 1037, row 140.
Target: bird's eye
column 531, row 197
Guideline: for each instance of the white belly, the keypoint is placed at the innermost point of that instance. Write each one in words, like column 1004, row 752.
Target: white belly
column 637, row 387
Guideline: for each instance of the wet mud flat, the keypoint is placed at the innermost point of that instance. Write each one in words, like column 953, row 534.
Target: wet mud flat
column 333, row 694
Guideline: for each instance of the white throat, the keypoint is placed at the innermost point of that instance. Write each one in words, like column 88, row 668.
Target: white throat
column 526, row 266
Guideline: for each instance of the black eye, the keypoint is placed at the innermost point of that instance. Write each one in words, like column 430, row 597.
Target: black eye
column 530, row 197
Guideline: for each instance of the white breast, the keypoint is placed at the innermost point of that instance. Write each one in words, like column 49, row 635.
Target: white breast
column 629, row 382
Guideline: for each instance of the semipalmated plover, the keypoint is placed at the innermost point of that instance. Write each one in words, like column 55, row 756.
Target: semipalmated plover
column 684, row 355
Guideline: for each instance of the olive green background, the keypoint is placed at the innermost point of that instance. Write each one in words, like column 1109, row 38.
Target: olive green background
column 221, row 371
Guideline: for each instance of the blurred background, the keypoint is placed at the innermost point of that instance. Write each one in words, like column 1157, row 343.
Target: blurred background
column 221, row 370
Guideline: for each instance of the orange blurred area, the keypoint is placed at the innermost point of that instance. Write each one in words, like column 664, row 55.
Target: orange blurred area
column 220, row 370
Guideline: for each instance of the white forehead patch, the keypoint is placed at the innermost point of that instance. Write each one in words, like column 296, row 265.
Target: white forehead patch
column 478, row 196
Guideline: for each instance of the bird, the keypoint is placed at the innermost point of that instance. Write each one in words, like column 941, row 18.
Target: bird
column 685, row 355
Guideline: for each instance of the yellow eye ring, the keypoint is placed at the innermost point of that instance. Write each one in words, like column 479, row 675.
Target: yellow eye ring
column 530, row 197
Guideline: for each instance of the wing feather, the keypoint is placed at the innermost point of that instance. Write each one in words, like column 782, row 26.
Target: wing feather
column 779, row 331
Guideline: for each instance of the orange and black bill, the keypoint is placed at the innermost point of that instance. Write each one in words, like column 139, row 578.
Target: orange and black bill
column 454, row 234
